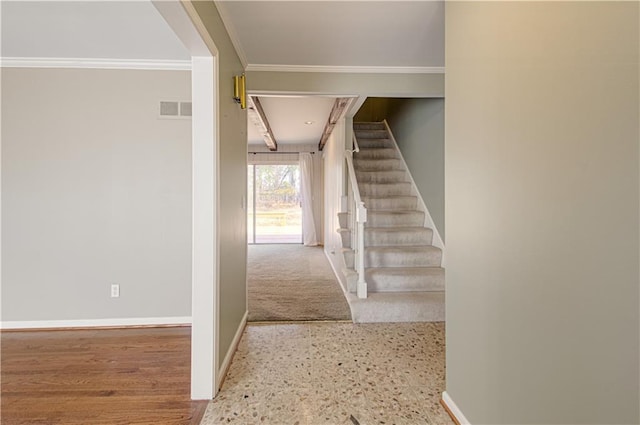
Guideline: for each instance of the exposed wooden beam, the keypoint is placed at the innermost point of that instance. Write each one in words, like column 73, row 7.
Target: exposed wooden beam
column 259, row 119
column 336, row 113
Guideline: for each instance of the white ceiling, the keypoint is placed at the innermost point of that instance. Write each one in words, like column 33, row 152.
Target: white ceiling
column 88, row 29
column 287, row 117
column 338, row 33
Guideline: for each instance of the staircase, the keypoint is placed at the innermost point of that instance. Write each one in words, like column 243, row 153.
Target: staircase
column 403, row 270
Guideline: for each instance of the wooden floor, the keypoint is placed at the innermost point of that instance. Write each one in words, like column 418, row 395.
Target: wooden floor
column 119, row 376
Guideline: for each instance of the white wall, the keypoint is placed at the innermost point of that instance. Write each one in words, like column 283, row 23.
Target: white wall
column 96, row 189
column 333, row 156
column 542, row 185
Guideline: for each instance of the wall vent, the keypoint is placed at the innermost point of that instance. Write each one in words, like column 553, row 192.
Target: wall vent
column 175, row 109
column 185, row 109
column 168, row 109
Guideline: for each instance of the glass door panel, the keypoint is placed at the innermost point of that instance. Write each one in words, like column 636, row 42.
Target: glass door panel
column 276, row 209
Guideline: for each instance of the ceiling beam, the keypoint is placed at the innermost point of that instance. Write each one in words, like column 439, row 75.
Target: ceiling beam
column 338, row 110
column 259, row 119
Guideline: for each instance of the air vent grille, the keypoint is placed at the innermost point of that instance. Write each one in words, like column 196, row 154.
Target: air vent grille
column 175, row 109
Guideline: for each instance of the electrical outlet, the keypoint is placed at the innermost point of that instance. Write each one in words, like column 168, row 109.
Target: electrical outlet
column 115, row 290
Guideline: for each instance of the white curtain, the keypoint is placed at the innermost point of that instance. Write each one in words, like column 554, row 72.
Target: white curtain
column 309, row 236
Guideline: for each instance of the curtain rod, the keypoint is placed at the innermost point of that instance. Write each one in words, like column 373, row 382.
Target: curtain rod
column 284, row 153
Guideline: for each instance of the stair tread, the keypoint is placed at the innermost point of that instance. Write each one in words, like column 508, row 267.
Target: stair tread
column 427, row 306
column 373, row 211
column 398, row 229
column 405, row 248
column 405, row 270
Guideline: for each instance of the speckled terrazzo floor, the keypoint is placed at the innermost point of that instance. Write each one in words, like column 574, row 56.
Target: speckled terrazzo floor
column 322, row 373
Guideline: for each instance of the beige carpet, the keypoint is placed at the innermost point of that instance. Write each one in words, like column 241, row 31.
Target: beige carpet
column 293, row 283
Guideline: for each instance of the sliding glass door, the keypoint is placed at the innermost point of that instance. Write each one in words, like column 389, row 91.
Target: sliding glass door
column 274, row 213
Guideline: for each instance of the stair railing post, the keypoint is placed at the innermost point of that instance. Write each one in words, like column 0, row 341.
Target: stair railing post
column 358, row 219
column 361, row 219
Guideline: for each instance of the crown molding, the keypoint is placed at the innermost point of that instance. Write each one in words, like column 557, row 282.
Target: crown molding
column 231, row 30
column 349, row 69
column 171, row 65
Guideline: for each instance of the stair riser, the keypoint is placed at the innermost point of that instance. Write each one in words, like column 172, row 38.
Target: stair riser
column 377, row 164
column 381, row 176
column 378, row 237
column 400, row 203
column 375, row 143
column 345, row 237
column 383, row 281
column 343, row 220
column 371, row 134
column 402, row 259
column 358, row 126
column 419, row 307
column 377, row 154
column 381, row 190
column 382, row 219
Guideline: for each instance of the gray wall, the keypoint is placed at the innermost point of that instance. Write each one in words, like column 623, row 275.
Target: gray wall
column 542, row 211
column 232, row 219
column 381, row 85
column 96, row 189
column 418, row 126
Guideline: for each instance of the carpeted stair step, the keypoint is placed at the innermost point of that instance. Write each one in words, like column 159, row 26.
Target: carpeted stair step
column 377, row 164
column 374, row 143
column 406, row 256
column 343, row 220
column 368, row 126
column 404, row 279
column 376, row 153
column 345, row 237
column 390, row 236
column 385, row 189
column 405, row 282
column 394, row 218
column 397, row 236
column 390, row 203
column 380, row 176
column 371, row 134
column 397, row 307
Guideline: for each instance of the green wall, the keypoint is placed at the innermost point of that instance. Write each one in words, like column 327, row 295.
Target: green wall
column 541, row 160
column 232, row 178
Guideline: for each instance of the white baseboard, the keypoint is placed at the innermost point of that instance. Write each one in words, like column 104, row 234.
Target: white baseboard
column 95, row 323
column 232, row 349
column 453, row 408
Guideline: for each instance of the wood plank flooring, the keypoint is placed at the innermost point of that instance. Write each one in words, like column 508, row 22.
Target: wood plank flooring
column 115, row 376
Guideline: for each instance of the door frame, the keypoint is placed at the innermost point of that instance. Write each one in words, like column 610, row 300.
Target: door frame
column 183, row 19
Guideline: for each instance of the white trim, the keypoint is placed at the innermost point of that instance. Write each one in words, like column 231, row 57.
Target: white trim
column 231, row 30
column 348, row 69
column 202, row 31
column 355, row 107
column 454, row 409
column 82, row 63
column 224, row 367
column 97, row 323
column 188, row 26
column 428, row 220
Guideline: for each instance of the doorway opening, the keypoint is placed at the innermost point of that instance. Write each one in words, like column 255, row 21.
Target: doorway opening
column 274, row 213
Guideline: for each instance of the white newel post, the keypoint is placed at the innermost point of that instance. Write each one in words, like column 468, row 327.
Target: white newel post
column 361, row 212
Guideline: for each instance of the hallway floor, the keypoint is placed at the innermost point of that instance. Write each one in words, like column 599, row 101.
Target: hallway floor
column 326, row 372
